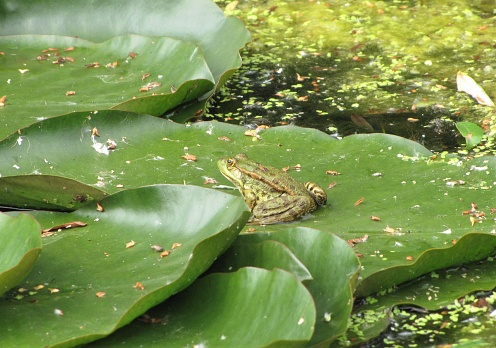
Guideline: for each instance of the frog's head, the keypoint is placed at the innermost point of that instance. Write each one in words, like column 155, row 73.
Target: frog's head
column 228, row 168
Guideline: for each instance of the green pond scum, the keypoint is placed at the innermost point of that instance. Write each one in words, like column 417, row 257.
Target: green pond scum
column 348, row 67
column 359, row 66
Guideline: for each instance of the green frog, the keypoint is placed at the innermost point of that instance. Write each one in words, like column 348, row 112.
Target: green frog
column 272, row 195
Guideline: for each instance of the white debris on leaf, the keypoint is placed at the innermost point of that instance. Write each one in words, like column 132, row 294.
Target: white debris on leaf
column 99, row 147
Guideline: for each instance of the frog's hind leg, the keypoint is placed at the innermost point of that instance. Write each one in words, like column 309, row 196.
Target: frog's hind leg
column 281, row 209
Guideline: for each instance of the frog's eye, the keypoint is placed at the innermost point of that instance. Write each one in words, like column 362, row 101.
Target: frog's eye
column 230, row 162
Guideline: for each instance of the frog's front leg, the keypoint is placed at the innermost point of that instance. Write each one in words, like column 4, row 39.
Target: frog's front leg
column 282, row 209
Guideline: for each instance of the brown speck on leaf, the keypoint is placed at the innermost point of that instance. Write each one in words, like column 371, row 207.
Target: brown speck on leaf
column 253, row 133
column 188, row 157
column 173, row 89
column 99, row 207
column 209, row 181
column 2, row 100
column 100, row 294
column 145, row 76
column 165, row 253
column 139, row 286
column 150, row 86
column 93, row 65
column 130, row 244
column 354, row 241
column 360, row 201
column 409, row 258
column 70, row 93
column 94, row 131
column 38, row 287
column 389, row 229
column 176, row 245
column 251, row 229
column 331, row 185
column 69, row 49
column 53, row 290
column 224, row 138
column 133, row 55
column 375, row 218
column 332, row 172
column 453, row 241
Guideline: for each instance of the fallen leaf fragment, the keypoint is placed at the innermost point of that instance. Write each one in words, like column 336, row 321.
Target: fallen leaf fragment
column 375, row 218
column 38, row 287
column 253, row 133
column 132, row 54
column 69, row 49
column 93, row 65
column 100, row 294
column 70, row 93
column 165, row 253
column 99, row 207
column 360, row 201
column 332, row 172
column 139, row 286
column 130, row 244
column 53, row 290
column 2, row 100
column 145, row 76
column 149, row 86
column 409, row 258
column 209, row 181
column 354, row 241
column 188, row 157
column 66, row 225
column 331, row 185
column 23, row 71
column 58, row 312
column 465, row 83
column 176, row 245
column 389, row 229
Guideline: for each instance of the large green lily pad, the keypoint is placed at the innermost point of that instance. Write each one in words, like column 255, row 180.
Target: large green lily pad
column 248, row 308
column 149, row 75
column 20, row 239
column 197, row 25
column 97, row 278
column 419, row 200
column 329, row 259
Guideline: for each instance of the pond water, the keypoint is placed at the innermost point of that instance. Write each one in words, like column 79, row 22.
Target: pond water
column 356, row 67
column 348, row 67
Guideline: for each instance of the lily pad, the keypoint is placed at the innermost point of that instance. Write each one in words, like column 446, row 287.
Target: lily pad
column 52, row 75
column 423, row 203
column 331, row 262
column 46, row 192
column 98, row 278
column 268, row 254
column 251, row 307
column 186, row 25
column 20, row 239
